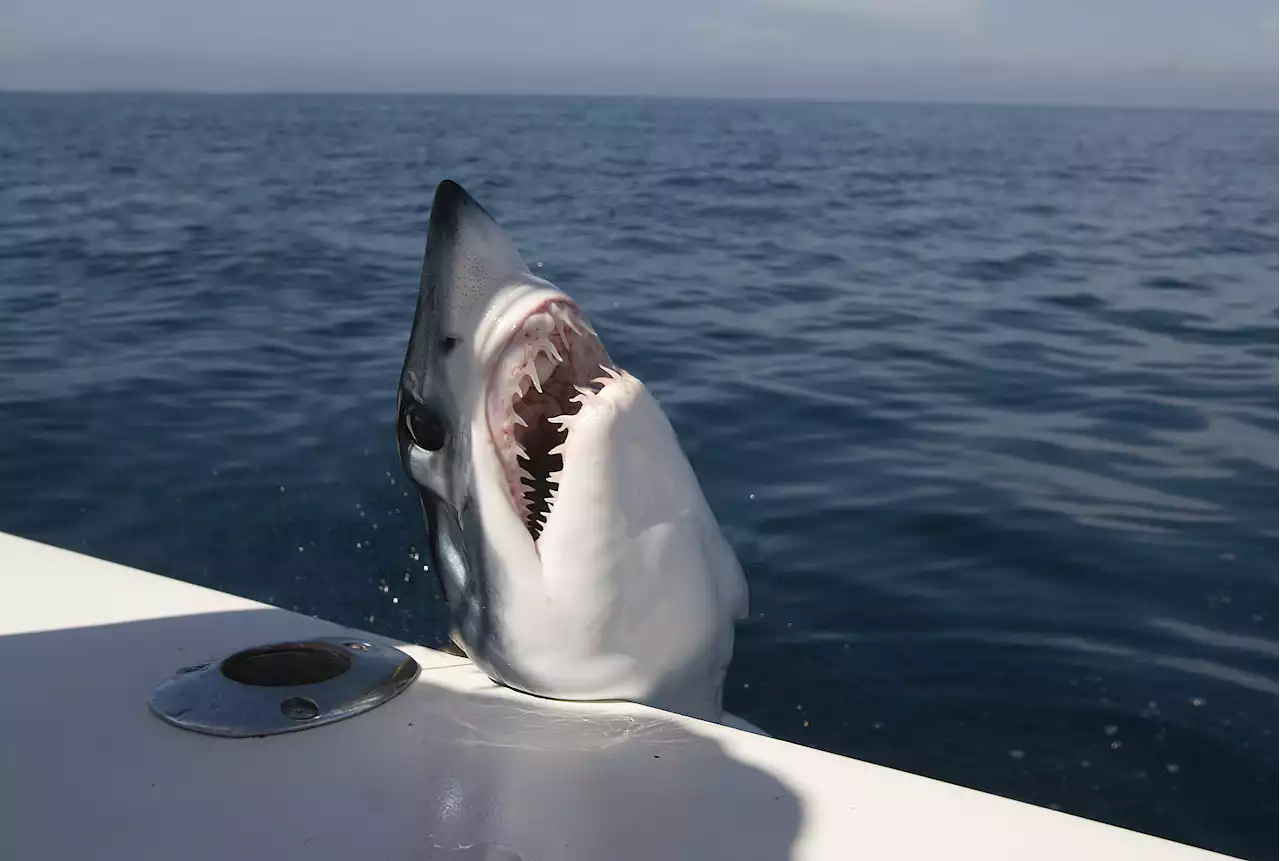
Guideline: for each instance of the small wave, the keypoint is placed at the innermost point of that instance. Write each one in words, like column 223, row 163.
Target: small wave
column 1082, row 645
column 1219, row 639
column 1085, row 301
column 1040, row 209
column 1008, row 268
column 1169, row 282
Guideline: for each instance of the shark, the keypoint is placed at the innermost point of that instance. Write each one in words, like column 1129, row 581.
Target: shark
column 574, row 547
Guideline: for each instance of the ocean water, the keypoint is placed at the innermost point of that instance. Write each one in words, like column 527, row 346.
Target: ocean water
column 984, row 397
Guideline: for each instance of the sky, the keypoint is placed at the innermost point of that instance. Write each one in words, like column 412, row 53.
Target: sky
column 1212, row 53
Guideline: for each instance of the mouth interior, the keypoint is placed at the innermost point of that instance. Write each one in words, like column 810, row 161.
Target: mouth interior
column 541, row 381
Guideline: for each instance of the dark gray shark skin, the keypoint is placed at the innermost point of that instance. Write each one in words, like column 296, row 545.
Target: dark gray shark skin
column 466, row 249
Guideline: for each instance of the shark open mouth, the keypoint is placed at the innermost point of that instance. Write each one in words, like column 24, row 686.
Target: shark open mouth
column 550, row 366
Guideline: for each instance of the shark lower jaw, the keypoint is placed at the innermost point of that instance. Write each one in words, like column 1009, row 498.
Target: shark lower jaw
column 549, row 368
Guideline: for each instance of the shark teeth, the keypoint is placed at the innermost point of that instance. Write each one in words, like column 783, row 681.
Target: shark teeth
column 541, row 382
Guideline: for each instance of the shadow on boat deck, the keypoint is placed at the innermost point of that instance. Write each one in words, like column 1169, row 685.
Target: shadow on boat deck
column 454, row 768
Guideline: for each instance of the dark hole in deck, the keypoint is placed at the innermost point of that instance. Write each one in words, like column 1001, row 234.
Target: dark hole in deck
column 286, row 665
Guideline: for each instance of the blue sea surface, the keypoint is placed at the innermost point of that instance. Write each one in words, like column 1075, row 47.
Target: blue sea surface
column 985, row 398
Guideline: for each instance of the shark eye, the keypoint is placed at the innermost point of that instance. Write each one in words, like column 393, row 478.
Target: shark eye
column 424, row 427
column 449, row 343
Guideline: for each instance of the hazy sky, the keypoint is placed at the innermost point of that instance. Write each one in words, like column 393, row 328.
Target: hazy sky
column 1209, row 52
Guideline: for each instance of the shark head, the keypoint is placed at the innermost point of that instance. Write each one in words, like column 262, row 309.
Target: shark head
column 573, row 544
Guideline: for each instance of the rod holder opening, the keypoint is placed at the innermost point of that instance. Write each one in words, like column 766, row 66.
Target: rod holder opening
column 286, row 665
column 284, row 687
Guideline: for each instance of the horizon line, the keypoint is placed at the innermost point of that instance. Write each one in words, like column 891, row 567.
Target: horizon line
column 696, row 97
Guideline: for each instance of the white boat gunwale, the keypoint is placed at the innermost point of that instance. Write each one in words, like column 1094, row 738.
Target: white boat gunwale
column 454, row 768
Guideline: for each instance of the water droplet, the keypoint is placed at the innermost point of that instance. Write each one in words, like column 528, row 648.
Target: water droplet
column 299, row 548
column 878, row 725
column 1111, row 729
column 1115, row 745
column 751, row 496
column 1171, row 767
column 1197, row 702
column 1017, row 754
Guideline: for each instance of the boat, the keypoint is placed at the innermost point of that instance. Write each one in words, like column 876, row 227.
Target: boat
column 144, row 717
